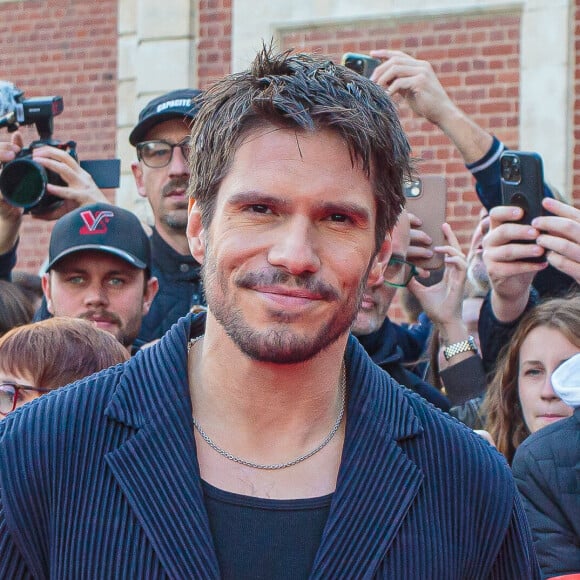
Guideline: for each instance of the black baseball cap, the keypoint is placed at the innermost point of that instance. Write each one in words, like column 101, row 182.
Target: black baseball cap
column 176, row 104
column 102, row 227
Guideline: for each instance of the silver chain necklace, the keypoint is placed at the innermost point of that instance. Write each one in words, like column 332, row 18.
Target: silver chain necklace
column 273, row 466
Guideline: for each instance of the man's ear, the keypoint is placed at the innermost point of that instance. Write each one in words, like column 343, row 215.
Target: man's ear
column 138, row 175
column 151, row 289
column 195, row 232
column 380, row 261
column 45, row 281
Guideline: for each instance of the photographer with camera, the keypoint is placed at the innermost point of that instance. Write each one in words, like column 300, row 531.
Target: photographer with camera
column 80, row 190
column 44, row 179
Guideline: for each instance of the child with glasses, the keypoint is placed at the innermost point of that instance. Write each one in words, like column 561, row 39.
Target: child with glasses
column 40, row 357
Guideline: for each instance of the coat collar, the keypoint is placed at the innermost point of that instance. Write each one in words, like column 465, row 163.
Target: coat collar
column 159, row 474
column 157, row 468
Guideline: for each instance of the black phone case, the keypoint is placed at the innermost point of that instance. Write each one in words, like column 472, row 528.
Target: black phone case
column 363, row 64
column 526, row 188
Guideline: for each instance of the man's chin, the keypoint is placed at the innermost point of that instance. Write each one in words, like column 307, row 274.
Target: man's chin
column 176, row 220
column 364, row 324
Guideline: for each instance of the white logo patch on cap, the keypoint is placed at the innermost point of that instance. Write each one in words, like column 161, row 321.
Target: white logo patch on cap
column 174, row 104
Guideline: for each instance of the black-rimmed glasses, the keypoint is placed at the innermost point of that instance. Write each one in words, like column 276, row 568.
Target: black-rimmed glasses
column 158, row 153
column 399, row 272
column 11, row 393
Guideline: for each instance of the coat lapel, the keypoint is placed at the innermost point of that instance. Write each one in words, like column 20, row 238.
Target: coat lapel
column 377, row 483
column 157, row 467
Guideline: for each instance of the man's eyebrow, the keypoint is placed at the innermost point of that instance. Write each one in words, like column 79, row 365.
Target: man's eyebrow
column 256, row 197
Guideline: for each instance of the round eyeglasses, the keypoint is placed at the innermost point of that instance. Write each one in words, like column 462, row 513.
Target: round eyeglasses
column 11, row 394
column 159, row 153
column 399, row 272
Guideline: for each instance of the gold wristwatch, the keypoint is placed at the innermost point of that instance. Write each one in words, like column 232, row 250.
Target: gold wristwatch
column 459, row 347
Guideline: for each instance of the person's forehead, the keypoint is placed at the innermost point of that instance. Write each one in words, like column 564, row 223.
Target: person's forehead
column 94, row 260
column 20, row 377
column 176, row 128
column 288, row 151
column 310, row 170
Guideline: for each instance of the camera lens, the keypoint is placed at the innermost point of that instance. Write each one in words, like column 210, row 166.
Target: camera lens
column 23, row 182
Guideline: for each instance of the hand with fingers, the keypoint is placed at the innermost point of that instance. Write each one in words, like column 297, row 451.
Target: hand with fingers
column 442, row 302
column 560, row 236
column 80, row 189
column 507, row 262
column 419, row 245
column 415, row 81
column 10, row 216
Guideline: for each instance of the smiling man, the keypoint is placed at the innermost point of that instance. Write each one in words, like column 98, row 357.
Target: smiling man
column 259, row 440
column 99, row 270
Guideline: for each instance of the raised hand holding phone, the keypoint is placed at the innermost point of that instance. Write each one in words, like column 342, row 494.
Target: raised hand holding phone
column 426, row 198
column 522, row 185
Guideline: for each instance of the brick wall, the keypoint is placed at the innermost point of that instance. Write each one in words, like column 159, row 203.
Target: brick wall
column 214, row 48
column 66, row 48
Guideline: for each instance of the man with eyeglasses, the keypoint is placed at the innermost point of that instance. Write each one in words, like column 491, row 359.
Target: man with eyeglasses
column 393, row 346
column 390, row 345
column 161, row 139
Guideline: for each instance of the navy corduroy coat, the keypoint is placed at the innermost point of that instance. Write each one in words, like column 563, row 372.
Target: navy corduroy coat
column 100, row 480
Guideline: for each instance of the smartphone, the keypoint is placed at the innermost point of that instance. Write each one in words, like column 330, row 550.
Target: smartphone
column 426, row 197
column 361, row 63
column 522, row 185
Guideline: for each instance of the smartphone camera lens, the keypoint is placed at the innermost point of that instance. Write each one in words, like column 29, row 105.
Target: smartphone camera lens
column 510, row 168
column 413, row 188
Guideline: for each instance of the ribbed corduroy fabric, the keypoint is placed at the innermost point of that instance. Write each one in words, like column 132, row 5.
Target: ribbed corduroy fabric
column 100, row 480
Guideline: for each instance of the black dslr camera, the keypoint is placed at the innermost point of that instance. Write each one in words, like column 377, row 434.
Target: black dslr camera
column 23, row 181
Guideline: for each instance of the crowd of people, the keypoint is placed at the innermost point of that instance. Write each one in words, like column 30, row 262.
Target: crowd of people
column 240, row 400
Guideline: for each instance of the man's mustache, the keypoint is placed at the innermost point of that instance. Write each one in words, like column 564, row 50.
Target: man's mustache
column 173, row 185
column 106, row 316
column 270, row 277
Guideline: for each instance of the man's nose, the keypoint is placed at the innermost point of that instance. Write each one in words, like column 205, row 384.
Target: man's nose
column 295, row 247
column 95, row 295
column 178, row 165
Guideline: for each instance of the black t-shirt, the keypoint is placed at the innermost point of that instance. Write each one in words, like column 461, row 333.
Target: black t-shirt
column 265, row 538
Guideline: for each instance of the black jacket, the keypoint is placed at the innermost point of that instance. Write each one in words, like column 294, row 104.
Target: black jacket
column 546, row 468
column 386, row 347
column 179, row 288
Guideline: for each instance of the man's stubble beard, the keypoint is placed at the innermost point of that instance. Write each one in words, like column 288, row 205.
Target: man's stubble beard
column 176, row 223
column 279, row 346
